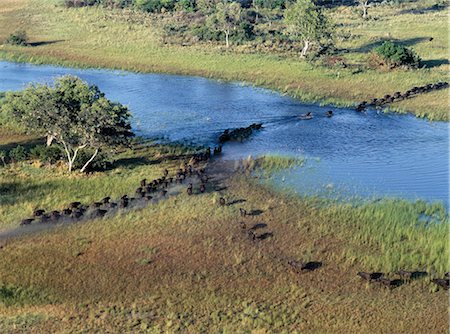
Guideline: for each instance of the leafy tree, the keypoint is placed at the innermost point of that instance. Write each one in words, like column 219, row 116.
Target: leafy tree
column 306, row 23
column 74, row 114
column 48, row 154
column 226, row 18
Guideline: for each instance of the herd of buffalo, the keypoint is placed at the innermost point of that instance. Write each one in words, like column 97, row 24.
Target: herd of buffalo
column 398, row 96
column 145, row 193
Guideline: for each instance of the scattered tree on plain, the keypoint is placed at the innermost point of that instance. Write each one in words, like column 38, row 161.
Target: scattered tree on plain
column 72, row 113
column 306, row 23
column 226, row 18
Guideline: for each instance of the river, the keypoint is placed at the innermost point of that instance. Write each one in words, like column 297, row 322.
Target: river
column 349, row 155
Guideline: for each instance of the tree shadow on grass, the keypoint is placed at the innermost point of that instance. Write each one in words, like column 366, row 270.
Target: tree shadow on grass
column 430, row 9
column 434, row 63
column 255, row 212
column 258, row 226
column 27, row 144
column 16, row 191
column 41, row 43
column 405, row 42
column 130, row 163
column 236, row 201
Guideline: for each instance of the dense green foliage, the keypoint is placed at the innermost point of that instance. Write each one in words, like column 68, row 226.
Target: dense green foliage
column 72, row 113
column 394, row 55
column 18, row 153
column 47, row 154
column 17, row 38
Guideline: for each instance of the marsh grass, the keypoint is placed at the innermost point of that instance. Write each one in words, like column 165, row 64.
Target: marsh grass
column 271, row 164
column 97, row 37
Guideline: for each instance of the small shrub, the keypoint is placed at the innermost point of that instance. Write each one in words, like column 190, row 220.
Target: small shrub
column 393, row 55
column 187, row 5
column 18, row 38
column 204, row 33
column 12, row 295
column 18, row 154
column 46, row 154
column 153, row 6
column 80, row 3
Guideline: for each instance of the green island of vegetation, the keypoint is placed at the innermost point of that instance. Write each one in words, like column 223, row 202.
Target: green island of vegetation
column 175, row 259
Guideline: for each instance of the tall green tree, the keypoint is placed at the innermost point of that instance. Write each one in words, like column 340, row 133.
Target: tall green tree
column 306, row 23
column 226, row 18
column 72, row 113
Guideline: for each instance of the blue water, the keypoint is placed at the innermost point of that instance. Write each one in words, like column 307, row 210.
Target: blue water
column 362, row 154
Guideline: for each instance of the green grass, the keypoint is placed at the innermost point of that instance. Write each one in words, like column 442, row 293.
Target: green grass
column 124, row 40
column 271, row 164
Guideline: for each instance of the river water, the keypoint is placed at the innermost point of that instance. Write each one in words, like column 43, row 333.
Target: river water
column 352, row 154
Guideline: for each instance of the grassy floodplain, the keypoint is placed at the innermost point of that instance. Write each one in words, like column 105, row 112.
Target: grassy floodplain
column 99, row 37
column 185, row 265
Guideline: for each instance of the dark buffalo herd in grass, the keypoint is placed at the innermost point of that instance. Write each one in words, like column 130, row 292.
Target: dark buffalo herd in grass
column 145, row 193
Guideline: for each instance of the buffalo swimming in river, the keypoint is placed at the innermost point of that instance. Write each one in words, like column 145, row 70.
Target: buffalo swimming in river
column 306, row 116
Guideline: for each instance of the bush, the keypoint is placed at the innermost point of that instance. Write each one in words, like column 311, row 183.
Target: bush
column 187, row 5
column 393, row 55
column 17, row 38
column 100, row 163
column 153, row 6
column 47, row 154
column 204, row 33
column 244, row 33
column 18, row 154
